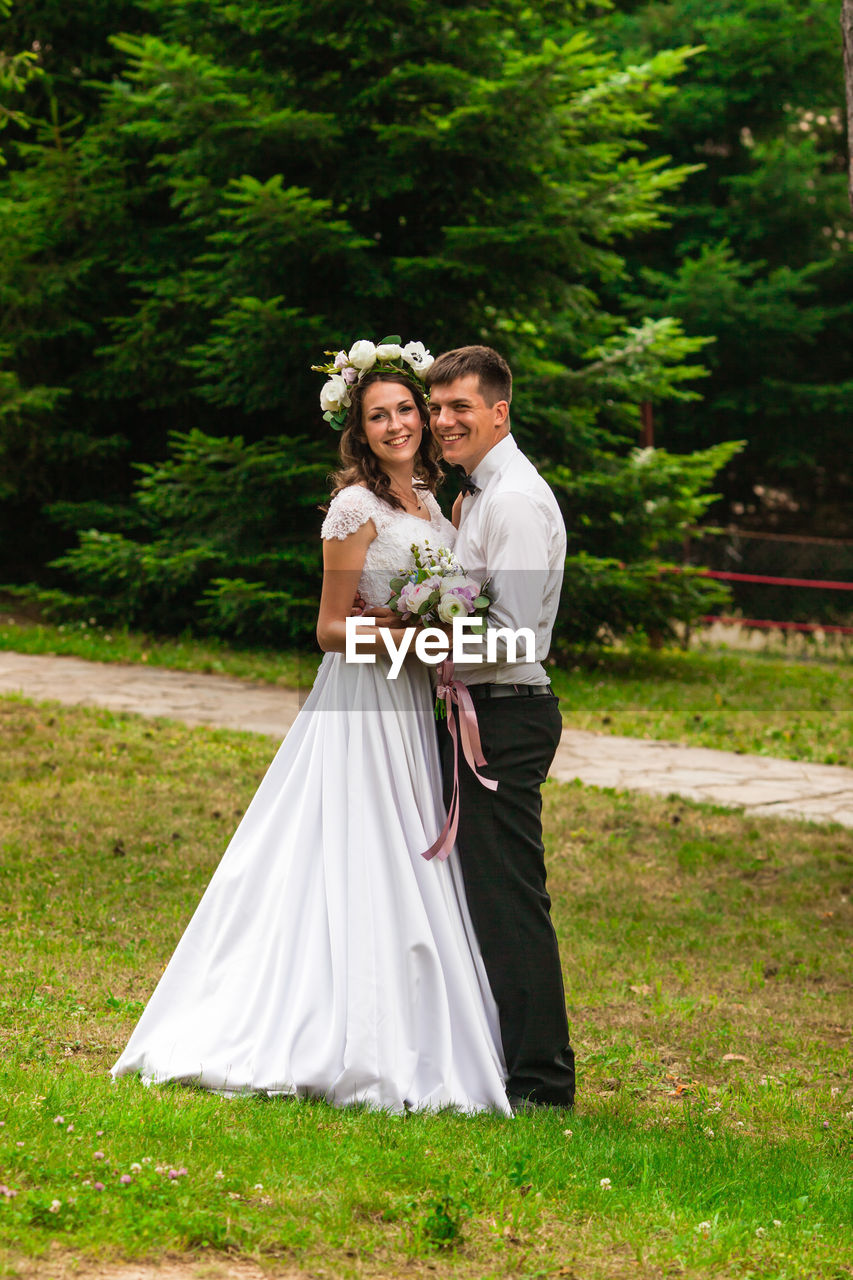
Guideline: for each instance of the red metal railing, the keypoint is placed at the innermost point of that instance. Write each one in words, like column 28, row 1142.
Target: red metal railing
column 809, row 551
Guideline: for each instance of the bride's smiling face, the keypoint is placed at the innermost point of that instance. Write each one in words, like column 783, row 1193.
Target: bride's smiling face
column 392, row 423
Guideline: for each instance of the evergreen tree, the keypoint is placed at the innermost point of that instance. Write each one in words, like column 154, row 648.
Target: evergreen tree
column 260, row 183
column 763, row 245
column 24, row 409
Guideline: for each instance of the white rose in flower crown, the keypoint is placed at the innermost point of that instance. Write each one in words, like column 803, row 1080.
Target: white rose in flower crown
column 362, row 354
column 416, row 354
column 450, row 607
column 335, row 395
column 389, row 351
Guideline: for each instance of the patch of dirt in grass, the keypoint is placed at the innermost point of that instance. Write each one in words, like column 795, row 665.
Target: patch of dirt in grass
column 189, row 1267
column 176, row 1267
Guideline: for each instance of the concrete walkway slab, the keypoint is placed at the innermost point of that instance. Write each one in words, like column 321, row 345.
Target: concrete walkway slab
column 757, row 784
column 191, row 696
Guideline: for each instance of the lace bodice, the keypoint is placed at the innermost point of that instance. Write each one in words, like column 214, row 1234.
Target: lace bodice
column 391, row 549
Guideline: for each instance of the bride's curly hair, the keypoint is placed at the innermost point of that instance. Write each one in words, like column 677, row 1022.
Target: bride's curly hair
column 359, row 464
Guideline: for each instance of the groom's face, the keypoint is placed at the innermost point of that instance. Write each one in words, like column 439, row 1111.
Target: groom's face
column 463, row 423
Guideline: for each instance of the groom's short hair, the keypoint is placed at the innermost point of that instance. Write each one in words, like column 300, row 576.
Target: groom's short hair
column 493, row 373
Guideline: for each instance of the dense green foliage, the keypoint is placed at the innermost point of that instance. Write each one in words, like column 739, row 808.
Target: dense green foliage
column 214, row 511
column 212, row 195
column 760, row 252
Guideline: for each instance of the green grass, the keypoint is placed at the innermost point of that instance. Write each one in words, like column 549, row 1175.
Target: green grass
column 184, row 653
column 733, row 700
column 689, row 934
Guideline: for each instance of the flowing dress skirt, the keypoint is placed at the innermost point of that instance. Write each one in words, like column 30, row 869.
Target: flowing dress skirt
column 327, row 958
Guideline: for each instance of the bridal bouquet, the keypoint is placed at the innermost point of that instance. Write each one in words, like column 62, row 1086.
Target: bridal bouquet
column 436, row 589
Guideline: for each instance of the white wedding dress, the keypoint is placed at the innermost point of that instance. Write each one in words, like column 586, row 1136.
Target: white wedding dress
column 327, row 958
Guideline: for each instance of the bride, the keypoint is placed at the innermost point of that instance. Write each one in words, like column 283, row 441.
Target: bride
column 327, row 958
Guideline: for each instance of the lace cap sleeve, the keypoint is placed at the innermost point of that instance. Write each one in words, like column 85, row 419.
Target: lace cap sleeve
column 350, row 509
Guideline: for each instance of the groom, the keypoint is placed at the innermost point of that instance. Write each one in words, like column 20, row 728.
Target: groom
column 511, row 530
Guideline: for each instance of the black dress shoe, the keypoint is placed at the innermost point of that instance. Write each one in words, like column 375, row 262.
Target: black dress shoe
column 521, row 1105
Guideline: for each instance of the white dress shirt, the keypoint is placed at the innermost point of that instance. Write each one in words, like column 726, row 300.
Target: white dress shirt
column 512, row 531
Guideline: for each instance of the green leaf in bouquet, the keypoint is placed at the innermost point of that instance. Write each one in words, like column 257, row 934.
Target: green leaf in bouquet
column 397, row 584
column 482, row 602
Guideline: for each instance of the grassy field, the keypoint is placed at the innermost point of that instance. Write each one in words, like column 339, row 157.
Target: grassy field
column 734, row 700
column 707, row 972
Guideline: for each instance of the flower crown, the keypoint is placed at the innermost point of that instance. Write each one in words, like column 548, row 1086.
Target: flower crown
column 348, row 368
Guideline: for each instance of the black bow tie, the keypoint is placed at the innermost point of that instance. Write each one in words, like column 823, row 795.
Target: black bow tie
column 466, row 484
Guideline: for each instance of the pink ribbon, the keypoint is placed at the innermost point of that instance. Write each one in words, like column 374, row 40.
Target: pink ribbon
column 456, row 694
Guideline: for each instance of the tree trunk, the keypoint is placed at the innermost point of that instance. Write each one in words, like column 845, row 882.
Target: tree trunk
column 847, row 31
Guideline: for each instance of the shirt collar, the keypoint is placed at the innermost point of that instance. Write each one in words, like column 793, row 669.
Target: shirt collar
column 494, row 461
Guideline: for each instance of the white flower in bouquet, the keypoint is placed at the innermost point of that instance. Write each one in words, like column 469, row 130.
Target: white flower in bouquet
column 416, row 355
column 362, row 354
column 460, row 582
column 465, row 595
column 452, row 606
column 415, row 595
column 335, row 394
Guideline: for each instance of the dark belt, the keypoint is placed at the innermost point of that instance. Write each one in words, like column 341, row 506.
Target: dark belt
column 482, row 691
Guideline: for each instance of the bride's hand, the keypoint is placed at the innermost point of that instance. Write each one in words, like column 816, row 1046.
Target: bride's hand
column 385, row 617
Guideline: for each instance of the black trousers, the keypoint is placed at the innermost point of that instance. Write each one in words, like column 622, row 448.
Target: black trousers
column 503, row 865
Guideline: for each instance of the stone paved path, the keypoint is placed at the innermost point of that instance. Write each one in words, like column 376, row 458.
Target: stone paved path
column 758, row 784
